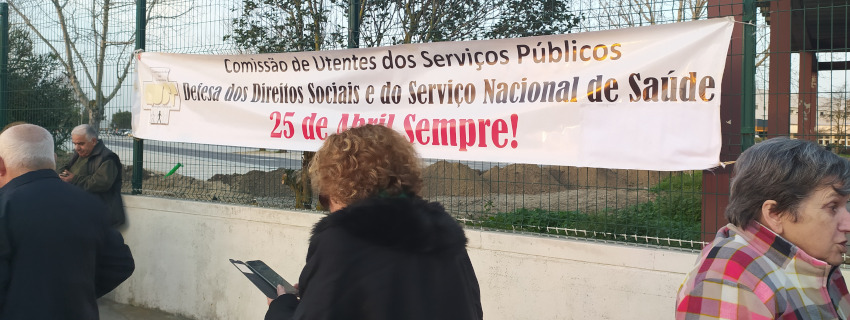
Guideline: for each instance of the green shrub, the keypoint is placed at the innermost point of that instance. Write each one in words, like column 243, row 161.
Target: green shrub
column 674, row 214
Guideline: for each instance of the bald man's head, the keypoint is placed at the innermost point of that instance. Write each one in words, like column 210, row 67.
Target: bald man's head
column 27, row 147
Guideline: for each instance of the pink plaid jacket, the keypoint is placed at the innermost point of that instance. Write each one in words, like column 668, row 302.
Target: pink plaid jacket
column 756, row 274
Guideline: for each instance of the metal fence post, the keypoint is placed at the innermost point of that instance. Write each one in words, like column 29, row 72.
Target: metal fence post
column 4, row 62
column 138, row 144
column 353, row 24
column 748, row 77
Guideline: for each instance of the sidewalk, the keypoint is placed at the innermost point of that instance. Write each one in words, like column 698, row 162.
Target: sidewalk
column 111, row 310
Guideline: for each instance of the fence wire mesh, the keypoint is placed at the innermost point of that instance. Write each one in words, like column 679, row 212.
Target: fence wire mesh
column 90, row 82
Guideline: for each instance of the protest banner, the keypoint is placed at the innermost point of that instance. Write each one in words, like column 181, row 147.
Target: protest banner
column 637, row 98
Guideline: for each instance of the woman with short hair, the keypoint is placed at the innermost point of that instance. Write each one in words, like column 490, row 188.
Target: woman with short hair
column 779, row 256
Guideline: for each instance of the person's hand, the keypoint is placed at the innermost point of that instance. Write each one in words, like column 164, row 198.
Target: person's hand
column 66, row 176
column 281, row 291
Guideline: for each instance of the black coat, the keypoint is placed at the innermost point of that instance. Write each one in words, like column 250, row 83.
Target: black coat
column 58, row 253
column 385, row 259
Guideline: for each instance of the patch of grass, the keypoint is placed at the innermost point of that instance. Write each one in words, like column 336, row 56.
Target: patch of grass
column 674, row 213
column 685, row 182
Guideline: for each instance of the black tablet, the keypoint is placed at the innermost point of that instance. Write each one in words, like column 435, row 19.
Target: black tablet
column 262, row 276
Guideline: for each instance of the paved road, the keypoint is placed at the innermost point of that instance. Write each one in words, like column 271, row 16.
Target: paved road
column 203, row 161
column 239, row 155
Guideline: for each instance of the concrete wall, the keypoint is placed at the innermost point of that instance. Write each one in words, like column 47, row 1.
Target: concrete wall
column 182, row 250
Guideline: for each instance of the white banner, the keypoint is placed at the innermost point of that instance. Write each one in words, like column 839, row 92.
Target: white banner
column 638, row 98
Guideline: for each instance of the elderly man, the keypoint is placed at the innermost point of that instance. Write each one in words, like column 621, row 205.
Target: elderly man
column 96, row 169
column 778, row 257
column 58, row 253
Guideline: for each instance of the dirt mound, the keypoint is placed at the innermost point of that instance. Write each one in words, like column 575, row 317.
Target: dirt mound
column 127, row 174
column 574, row 177
column 463, row 190
column 262, row 184
column 227, row 179
column 584, row 177
column 256, row 183
column 179, row 186
column 445, row 178
column 522, row 179
column 642, row 178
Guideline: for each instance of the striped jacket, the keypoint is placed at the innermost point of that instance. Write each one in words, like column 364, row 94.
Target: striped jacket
column 755, row 274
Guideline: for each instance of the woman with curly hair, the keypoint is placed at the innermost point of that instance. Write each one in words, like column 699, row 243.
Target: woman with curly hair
column 383, row 252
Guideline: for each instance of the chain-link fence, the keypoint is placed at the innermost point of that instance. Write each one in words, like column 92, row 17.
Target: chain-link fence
column 86, row 77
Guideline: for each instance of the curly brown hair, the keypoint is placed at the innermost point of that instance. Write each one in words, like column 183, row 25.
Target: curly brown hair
column 366, row 161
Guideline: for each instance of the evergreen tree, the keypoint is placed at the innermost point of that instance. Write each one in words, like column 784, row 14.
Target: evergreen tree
column 122, row 120
column 39, row 92
column 521, row 18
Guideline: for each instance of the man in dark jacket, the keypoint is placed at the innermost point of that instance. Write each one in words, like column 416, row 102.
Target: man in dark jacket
column 96, row 169
column 58, row 253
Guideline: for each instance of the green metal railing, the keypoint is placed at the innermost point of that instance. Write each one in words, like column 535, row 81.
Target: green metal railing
column 680, row 209
column 4, row 61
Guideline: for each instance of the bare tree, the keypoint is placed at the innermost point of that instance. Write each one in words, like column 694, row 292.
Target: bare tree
column 390, row 22
column 93, row 42
column 633, row 13
column 837, row 114
column 285, row 26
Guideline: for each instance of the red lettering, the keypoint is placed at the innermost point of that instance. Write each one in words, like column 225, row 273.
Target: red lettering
column 467, row 141
column 462, row 133
column 499, row 127
column 422, row 126
column 482, row 126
